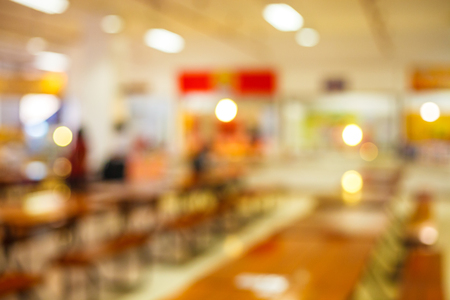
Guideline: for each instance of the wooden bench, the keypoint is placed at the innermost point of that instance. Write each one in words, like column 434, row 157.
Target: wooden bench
column 422, row 276
column 16, row 283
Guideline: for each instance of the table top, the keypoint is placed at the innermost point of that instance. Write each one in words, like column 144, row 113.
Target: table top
column 97, row 197
column 422, row 279
column 18, row 216
column 320, row 257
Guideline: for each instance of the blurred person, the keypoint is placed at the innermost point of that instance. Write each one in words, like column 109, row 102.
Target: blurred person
column 78, row 160
column 115, row 168
column 200, row 162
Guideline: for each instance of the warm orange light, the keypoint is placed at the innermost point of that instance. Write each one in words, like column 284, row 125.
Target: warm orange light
column 53, row 83
column 368, row 151
column 233, row 246
column 352, row 182
column 62, row 167
column 352, row 135
column 63, row 190
column 428, row 235
column 62, row 136
column 226, row 110
column 351, row 199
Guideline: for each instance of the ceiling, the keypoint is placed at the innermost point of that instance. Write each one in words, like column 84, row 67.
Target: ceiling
column 411, row 31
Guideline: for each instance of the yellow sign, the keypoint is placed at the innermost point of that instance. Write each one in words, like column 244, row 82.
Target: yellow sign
column 418, row 130
column 49, row 83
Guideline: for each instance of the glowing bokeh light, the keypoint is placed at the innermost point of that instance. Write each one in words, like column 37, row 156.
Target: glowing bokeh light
column 63, row 190
column 36, row 108
column 62, row 167
column 351, row 198
column 164, row 40
column 53, row 83
column 233, row 246
column 46, row 6
column 264, row 286
column 43, row 202
column 52, row 62
column 36, row 45
column 226, row 110
column 428, row 235
column 430, row 112
column 352, row 135
column 307, row 37
column 352, row 182
column 36, row 130
column 283, row 17
column 62, row 136
column 112, row 24
column 368, row 151
column 36, row 170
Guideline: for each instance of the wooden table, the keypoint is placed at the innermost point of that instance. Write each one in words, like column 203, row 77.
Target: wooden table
column 321, row 257
column 422, row 279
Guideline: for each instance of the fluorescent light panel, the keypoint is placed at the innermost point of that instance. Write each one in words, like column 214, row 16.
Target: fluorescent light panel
column 51, row 62
column 164, row 40
column 283, row 17
column 46, row 6
column 112, row 24
column 36, row 108
column 307, row 37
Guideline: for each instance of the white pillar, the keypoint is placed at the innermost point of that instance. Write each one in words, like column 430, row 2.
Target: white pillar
column 93, row 81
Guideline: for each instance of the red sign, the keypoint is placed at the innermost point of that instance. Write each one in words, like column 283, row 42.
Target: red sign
column 196, row 82
column 256, row 83
column 252, row 82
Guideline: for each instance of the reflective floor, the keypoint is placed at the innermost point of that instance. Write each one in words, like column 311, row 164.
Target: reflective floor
column 304, row 179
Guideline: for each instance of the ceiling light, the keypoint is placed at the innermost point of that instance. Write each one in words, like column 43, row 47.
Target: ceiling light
column 307, row 37
column 283, row 17
column 36, row 45
column 112, row 24
column 46, row 6
column 164, row 40
column 36, row 108
column 52, row 62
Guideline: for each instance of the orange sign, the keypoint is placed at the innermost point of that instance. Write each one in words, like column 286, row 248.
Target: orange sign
column 431, row 78
column 49, row 83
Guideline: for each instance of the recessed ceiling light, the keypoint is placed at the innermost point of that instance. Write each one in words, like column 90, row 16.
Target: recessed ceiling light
column 46, row 6
column 36, row 45
column 51, row 62
column 164, row 40
column 307, row 37
column 283, row 17
column 112, row 24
